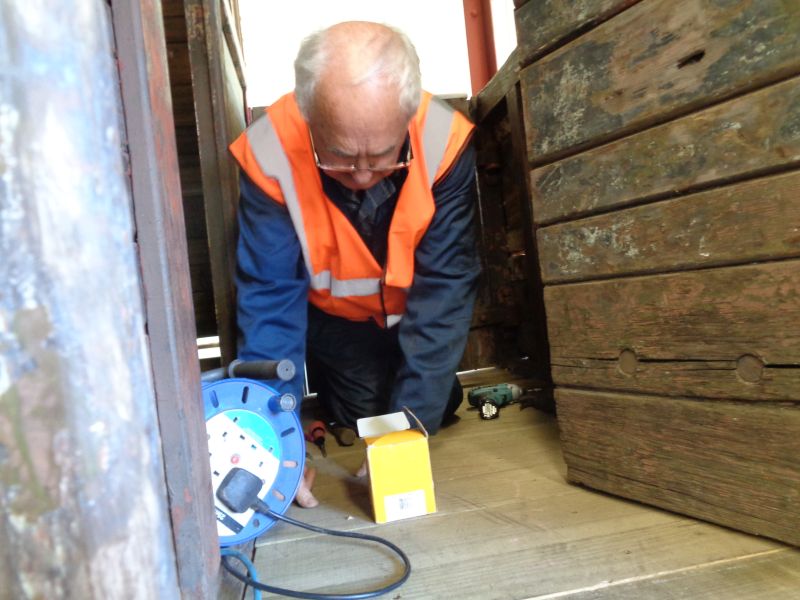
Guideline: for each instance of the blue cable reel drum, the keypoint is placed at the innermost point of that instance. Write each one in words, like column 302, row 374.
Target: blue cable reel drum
column 253, row 427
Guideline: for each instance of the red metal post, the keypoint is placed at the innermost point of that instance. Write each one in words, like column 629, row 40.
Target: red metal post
column 480, row 42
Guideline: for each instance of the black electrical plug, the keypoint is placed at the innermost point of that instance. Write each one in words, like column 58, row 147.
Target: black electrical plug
column 239, row 491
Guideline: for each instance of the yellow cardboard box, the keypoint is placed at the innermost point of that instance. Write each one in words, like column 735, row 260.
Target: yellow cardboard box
column 401, row 481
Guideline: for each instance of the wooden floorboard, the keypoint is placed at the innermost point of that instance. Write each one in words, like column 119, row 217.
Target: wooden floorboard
column 510, row 526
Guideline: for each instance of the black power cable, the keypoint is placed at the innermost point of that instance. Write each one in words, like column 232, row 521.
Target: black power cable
column 239, row 491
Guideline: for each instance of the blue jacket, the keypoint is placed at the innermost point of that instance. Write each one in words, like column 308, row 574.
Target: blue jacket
column 272, row 284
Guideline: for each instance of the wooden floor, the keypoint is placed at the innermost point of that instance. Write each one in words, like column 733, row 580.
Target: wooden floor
column 510, row 526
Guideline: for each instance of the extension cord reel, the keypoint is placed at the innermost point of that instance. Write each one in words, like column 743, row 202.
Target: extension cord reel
column 253, row 427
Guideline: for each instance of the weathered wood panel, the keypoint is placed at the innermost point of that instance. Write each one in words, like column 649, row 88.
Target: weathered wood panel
column 751, row 221
column 655, row 61
column 220, row 118
column 508, row 322
column 745, row 378
column 729, row 463
column 189, row 162
column 481, row 349
column 753, row 134
column 533, row 329
column 83, row 503
column 546, row 24
column 166, row 290
column 681, row 333
column 494, row 92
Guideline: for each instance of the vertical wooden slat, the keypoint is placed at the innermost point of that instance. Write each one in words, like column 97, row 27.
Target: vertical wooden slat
column 534, row 325
column 508, row 326
column 214, row 109
column 165, row 271
column 84, row 510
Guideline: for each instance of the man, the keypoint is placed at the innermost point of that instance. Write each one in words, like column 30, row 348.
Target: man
column 356, row 242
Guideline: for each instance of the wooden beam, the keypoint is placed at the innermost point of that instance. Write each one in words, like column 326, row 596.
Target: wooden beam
column 84, row 505
column 724, row 333
column 494, row 92
column 751, row 221
column 158, row 210
column 230, row 30
column 220, row 113
column 752, row 135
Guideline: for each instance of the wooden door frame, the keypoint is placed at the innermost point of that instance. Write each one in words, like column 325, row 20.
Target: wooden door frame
column 219, row 175
column 156, row 191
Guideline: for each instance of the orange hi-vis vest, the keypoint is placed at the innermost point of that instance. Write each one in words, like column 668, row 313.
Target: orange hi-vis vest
column 345, row 279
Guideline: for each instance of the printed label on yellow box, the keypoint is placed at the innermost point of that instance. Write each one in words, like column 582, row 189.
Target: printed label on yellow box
column 404, row 506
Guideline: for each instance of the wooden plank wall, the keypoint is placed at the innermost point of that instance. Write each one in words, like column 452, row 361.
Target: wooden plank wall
column 663, row 141
column 218, row 84
column 508, row 328
column 208, row 93
column 189, row 163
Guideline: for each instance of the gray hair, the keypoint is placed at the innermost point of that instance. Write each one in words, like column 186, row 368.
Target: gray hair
column 393, row 59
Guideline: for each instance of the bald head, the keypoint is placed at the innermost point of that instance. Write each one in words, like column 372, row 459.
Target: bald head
column 366, row 62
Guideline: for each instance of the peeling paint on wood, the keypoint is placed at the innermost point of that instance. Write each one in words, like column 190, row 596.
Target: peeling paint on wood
column 655, row 61
column 752, row 134
column 728, row 463
column 751, row 221
column 84, row 509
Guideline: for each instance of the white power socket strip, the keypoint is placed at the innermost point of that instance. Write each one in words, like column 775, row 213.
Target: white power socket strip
column 231, row 446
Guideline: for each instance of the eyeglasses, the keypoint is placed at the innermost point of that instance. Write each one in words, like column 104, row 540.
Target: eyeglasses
column 352, row 168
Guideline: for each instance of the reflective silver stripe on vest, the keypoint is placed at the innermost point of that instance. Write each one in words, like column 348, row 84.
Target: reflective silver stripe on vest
column 435, row 134
column 392, row 320
column 269, row 153
column 267, row 149
column 365, row 286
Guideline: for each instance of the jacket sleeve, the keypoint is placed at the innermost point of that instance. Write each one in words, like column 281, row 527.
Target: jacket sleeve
column 272, row 285
column 433, row 331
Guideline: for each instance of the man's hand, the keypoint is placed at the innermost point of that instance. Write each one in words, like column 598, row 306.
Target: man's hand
column 304, row 497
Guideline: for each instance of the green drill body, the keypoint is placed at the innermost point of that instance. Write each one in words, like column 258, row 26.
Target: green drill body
column 490, row 398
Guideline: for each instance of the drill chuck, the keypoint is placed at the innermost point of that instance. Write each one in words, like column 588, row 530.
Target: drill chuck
column 490, row 398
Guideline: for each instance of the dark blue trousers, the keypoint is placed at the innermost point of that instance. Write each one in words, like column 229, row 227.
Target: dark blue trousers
column 352, row 367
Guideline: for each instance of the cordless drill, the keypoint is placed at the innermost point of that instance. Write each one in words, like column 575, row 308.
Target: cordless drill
column 490, row 398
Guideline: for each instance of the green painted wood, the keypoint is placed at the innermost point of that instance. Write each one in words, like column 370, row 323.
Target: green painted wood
column 750, row 221
column 753, row 134
column 729, row 463
column 656, row 61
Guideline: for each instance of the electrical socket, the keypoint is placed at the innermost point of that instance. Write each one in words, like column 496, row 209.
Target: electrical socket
column 230, row 445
